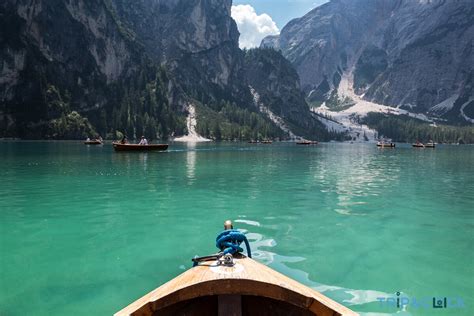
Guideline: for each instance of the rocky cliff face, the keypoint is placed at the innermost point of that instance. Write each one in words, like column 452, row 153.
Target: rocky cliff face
column 77, row 51
column 416, row 55
column 73, row 68
column 277, row 85
column 196, row 39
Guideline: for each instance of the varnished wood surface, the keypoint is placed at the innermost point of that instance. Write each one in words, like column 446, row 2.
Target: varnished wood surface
column 246, row 277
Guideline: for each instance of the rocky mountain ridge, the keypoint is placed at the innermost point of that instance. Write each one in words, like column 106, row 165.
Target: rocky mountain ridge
column 74, row 68
column 414, row 55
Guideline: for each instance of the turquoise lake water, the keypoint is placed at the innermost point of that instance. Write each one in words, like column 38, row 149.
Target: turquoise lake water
column 85, row 231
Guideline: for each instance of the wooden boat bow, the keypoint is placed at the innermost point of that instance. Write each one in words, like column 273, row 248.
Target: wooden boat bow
column 247, row 288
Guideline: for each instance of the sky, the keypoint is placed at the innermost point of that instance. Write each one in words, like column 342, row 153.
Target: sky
column 259, row 18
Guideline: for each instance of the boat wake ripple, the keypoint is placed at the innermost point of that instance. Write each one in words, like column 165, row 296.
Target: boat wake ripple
column 366, row 299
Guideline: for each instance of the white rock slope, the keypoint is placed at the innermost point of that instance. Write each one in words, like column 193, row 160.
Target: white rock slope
column 272, row 116
column 191, row 122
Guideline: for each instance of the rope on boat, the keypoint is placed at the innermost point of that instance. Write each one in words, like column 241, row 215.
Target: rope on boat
column 229, row 243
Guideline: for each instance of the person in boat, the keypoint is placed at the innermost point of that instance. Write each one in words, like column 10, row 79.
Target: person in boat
column 143, row 141
column 124, row 140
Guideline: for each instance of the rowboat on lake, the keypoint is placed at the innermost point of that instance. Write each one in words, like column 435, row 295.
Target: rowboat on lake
column 93, row 142
column 260, row 142
column 233, row 285
column 307, row 142
column 136, row 147
column 385, row 145
column 418, row 144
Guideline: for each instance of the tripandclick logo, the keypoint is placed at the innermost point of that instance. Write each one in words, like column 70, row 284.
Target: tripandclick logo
column 402, row 302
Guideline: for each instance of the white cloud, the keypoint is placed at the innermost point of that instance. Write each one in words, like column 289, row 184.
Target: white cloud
column 252, row 27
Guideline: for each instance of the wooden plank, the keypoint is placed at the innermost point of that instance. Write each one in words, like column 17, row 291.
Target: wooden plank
column 229, row 305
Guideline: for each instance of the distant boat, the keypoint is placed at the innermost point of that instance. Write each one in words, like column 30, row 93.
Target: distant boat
column 383, row 144
column 93, row 142
column 244, row 288
column 307, row 142
column 136, row 147
column 260, row 141
column 427, row 145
